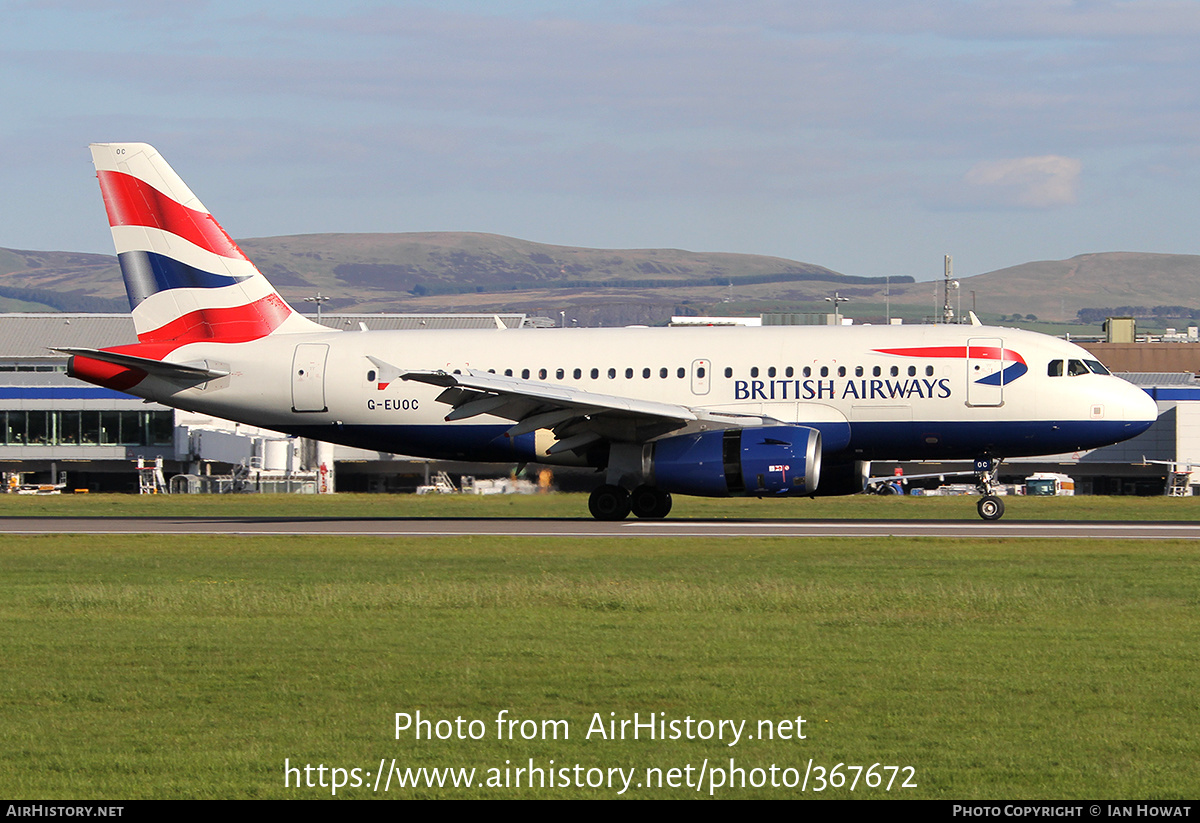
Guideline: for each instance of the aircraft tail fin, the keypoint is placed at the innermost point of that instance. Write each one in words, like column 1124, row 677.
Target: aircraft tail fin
column 186, row 279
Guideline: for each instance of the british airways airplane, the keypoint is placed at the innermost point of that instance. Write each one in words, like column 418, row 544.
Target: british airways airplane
column 714, row 412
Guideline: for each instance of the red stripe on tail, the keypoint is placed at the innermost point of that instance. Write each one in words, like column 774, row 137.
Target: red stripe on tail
column 132, row 202
column 224, row 325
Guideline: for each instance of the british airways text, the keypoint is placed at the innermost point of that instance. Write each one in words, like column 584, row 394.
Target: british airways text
column 830, row 390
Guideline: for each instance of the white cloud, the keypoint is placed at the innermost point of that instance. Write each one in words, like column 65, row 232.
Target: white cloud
column 1036, row 182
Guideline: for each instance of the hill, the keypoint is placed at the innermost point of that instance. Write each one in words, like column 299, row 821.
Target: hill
column 461, row 271
column 1058, row 289
column 458, row 271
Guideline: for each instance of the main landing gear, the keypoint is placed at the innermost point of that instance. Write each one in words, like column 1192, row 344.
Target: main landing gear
column 614, row 503
column 991, row 507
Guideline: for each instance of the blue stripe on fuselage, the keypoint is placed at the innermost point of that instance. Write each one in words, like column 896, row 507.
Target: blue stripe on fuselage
column 894, row 440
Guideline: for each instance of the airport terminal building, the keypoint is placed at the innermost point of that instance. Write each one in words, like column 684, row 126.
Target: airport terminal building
column 54, row 425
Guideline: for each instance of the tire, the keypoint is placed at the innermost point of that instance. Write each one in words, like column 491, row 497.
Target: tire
column 991, row 508
column 609, row 503
column 649, row 502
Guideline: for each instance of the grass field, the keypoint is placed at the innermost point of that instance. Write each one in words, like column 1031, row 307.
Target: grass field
column 141, row 667
column 857, row 507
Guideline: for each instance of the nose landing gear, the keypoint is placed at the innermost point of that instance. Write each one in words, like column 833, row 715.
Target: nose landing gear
column 990, row 506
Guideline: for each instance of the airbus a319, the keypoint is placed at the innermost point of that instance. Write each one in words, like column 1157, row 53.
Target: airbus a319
column 769, row 411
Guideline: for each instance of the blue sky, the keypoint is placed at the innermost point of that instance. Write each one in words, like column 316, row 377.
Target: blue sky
column 870, row 137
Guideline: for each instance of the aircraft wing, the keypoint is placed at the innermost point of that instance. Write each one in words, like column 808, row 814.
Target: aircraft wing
column 577, row 417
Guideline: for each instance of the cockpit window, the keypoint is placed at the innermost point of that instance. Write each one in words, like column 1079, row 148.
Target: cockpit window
column 1055, row 368
column 1097, row 367
column 1076, row 368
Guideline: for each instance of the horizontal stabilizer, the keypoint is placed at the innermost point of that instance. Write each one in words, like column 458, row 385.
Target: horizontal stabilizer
column 158, row 368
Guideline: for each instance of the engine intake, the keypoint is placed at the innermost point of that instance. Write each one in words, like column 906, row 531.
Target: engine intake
column 764, row 460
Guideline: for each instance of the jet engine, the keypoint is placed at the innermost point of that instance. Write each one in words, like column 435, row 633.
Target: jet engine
column 763, row 460
column 844, row 477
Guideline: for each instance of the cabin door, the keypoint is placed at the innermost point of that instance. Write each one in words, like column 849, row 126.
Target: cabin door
column 985, row 371
column 308, row 377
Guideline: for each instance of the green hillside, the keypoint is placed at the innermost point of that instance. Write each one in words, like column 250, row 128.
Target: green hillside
column 462, row 271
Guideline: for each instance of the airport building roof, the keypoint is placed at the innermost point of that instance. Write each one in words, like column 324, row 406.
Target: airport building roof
column 30, row 335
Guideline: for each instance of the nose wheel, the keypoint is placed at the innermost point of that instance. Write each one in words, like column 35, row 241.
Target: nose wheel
column 990, row 506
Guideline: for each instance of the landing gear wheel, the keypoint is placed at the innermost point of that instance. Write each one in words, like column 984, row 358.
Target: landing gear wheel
column 991, row 508
column 649, row 502
column 609, row 503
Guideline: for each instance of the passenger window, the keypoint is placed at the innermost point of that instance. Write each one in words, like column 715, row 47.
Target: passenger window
column 771, row 372
column 876, row 371
column 700, row 372
column 646, row 373
column 858, row 371
column 629, row 374
column 841, row 371
column 790, row 371
column 682, row 373
column 541, row 374
column 929, row 371
column 371, row 376
column 524, row 374
column 912, row 371
column 508, row 372
column 662, row 373
column 595, row 373
column 824, row 371
column 612, row 374
column 895, row 371
column 754, row 371
column 559, row 374
column 1055, row 368
column 807, row 371
column 728, row 372
column 578, row 373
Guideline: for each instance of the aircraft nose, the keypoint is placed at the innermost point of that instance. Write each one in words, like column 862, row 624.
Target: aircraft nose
column 1140, row 407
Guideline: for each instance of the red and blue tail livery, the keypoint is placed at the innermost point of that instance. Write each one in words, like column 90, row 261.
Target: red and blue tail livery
column 185, row 277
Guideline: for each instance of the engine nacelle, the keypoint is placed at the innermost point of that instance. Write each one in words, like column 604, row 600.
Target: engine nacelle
column 765, row 460
column 844, row 477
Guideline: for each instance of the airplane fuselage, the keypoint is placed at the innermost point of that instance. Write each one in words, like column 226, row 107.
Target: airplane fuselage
column 874, row 392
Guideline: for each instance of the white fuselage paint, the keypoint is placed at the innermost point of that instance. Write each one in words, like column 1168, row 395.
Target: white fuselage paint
column 941, row 410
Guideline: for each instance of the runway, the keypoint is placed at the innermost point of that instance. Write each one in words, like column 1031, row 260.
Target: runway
column 538, row 527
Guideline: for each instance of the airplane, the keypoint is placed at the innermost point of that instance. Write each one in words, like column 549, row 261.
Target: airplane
column 779, row 411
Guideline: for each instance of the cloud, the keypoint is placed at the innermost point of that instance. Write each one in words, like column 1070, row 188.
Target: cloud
column 1034, row 182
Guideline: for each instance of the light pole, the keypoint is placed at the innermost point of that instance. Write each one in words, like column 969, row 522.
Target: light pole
column 319, row 299
column 837, row 300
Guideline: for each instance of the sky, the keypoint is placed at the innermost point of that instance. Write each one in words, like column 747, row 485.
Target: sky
column 871, row 137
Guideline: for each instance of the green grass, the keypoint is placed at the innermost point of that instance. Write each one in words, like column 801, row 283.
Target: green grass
column 137, row 667
column 575, row 506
